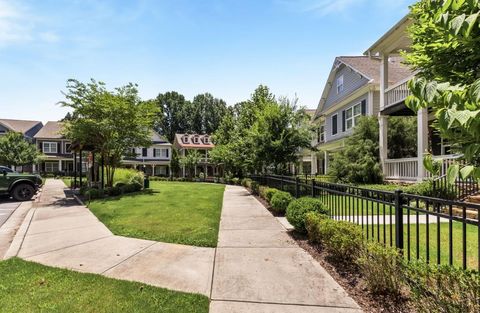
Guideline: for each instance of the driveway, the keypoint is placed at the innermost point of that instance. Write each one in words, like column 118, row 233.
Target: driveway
column 7, row 207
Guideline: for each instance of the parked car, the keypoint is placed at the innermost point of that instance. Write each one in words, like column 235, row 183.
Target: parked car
column 21, row 187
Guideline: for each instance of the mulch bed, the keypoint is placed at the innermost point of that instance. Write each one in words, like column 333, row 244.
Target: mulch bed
column 349, row 278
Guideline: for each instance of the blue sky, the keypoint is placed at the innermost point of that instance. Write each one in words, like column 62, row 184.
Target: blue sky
column 225, row 47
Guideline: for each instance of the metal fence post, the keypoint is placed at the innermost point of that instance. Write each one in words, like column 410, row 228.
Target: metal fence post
column 297, row 187
column 398, row 220
column 313, row 187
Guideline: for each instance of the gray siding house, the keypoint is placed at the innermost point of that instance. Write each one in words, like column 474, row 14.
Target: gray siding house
column 352, row 90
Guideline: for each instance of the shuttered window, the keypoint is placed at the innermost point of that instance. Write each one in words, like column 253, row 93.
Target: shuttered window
column 334, row 124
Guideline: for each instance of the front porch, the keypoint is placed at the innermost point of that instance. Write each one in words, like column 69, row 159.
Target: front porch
column 150, row 168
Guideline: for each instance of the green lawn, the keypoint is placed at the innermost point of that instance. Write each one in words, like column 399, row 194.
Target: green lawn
column 31, row 287
column 472, row 241
column 176, row 212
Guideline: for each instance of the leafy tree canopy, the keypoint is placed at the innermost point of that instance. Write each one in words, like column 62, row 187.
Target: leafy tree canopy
column 446, row 52
column 111, row 121
column 16, row 150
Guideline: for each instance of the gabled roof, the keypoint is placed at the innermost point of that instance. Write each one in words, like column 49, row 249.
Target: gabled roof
column 21, row 126
column 368, row 67
column 188, row 141
column 51, row 130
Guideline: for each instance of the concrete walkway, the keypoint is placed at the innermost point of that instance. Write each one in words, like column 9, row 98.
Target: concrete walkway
column 259, row 268
column 255, row 268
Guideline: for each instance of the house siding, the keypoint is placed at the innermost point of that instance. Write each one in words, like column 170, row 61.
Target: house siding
column 351, row 82
column 340, row 133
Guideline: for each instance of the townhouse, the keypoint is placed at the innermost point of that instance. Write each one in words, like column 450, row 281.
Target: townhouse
column 186, row 143
column 392, row 103
column 352, row 90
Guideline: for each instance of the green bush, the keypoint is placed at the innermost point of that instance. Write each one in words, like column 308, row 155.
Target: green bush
column 127, row 176
column 93, row 193
column 246, row 182
column 382, row 269
column 262, row 190
column 443, row 288
column 426, row 189
column 235, row 181
column 312, row 225
column 114, row 191
column 280, row 201
column 255, row 187
column 298, row 208
column 342, row 240
column 269, row 194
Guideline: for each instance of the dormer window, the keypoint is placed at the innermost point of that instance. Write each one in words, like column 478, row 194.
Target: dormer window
column 195, row 139
column 206, row 140
column 340, row 86
column 185, row 139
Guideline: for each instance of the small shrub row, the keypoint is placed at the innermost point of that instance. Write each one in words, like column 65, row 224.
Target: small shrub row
column 280, row 201
column 298, row 209
column 426, row 188
column 92, row 193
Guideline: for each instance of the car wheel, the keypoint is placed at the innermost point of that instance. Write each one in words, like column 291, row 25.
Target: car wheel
column 23, row 192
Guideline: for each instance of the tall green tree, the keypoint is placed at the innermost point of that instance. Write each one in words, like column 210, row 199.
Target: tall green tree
column 359, row 161
column 446, row 52
column 402, row 134
column 111, row 121
column 190, row 161
column 207, row 113
column 174, row 114
column 15, row 150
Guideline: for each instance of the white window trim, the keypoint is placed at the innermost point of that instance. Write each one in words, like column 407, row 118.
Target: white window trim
column 338, row 85
column 322, row 133
column 50, row 143
column 331, row 121
column 353, row 115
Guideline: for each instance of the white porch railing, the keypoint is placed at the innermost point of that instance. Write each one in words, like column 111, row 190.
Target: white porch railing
column 407, row 169
column 397, row 93
column 401, row 169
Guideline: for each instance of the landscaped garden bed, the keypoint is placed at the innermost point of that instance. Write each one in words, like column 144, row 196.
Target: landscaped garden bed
column 31, row 287
column 175, row 212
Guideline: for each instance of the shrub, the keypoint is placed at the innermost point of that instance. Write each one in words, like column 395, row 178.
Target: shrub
column 269, row 194
column 426, row 188
column 83, row 190
column 312, row 225
column 255, row 187
column 262, row 190
column 246, row 182
column 127, row 176
column 342, row 240
column 297, row 209
column 443, row 288
column 280, row 201
column 93, row 193
column 114, row 191
column 382, row 268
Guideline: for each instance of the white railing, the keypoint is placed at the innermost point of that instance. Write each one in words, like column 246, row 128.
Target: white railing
column 401, row 169
column 407, row 169
column 397, row 93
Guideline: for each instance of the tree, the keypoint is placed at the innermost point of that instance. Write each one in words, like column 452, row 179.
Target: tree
column 111, row 121
column 402, row 133
column 15, row 150
column 190, row 161
column 446, row 52
column 174, row 114
column 207, row 113
column 359, row 161
column 260, row 133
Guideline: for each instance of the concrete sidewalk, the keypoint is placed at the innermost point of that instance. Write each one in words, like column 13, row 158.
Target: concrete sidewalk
column 256, row 267
column 59, row 232
column 259, row 268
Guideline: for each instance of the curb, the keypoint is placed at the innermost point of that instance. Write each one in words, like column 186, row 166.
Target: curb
column 20, row 235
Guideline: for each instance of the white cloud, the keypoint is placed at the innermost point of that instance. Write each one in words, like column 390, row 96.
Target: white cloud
column 14, row 25
column 48, row 37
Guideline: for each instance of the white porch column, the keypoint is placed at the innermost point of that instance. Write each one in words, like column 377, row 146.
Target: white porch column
column 313, row 169
column 383, row 79
column 422, row 140
column 383, row 142
column 325, row 162
column 153, row 169
column 34, row 168
column 59, row 165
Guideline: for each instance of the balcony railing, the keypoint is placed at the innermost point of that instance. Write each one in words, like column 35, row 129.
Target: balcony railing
column 397, row 93
column 401, row 169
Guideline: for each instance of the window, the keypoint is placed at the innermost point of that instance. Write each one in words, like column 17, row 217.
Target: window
column 185, row 139
column 49, row 147
column 352, row 115
column 340, row 84
column 334, row 124
column 161, row 153
column 195, row 139
column 68, row 148
column 144, row 152
column 205, row 139
column 51, row 167
column 321, row 134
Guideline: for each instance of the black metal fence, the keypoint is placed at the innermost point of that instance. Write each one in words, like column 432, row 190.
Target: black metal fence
column 461, row 189
column 434, row 230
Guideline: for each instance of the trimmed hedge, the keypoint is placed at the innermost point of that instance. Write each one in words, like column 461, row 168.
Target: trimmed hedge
column 280, row 201
column 298, row 208
column 269, row 194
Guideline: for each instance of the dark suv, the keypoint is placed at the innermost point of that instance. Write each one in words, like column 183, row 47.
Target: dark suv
column 21, row 187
